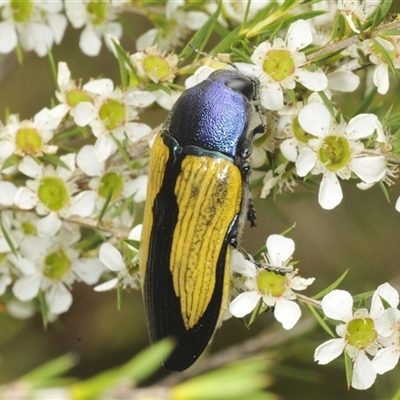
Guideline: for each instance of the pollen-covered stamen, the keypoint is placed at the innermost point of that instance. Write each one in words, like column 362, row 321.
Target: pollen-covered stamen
column 113, row 114
column 300, row 134
column 53, row 193
column 56, row 265
column 271, row 284
column 157, row 67
column 98, row 11
column 361, row 333
column 279, row 64
column 76, row 96
column 21, row 10
column 28, row 141
column 335, row 152
column 111, row 182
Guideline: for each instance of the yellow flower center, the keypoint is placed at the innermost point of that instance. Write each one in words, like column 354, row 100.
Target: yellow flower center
column 335, row 152
column 271, row 284
column 279, row 64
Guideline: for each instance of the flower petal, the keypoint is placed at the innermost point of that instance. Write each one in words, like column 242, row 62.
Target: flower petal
column 330, row 192
column 58, row 298
column 89, row 42
column 316, row 80
column 271, row 96
column 280, row 249
column 7, row 193
column 27, row 287
column 49, row 225
column 363, row 373
column 299, row 35
column 111, row 257
column 386, row 359
column 362, row 126
column 369, row 169
column 338, row 305
column 87, row 161
column 244, row 304
column 103, row 287
column 83, row 203
column 387, row 293
column 305, row 161
column 329, row 350
column 88, row 270
column 315, row 118
column 287, row 312
column 343, row 81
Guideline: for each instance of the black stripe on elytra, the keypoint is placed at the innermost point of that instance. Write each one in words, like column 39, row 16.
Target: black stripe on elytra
column 162, row 305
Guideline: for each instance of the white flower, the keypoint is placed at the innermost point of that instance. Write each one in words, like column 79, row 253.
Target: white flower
column 337, row 151
column 280, row 65
column 388, row 357
column 176, row 25
column 118, row 179
column 69, row 94
column 36, row 25
column 111, row 115
column 98, row 18
column 359, row 10
column 154, row 65
column 380, row 76
column 360, row 333
column 274, row 289
column 29, row 138
column 53, row 193
column 52, row 265
column 127, row 276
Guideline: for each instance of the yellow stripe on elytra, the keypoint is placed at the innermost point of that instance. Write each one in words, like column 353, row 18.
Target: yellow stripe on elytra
column 209, row 193
column 158, row 159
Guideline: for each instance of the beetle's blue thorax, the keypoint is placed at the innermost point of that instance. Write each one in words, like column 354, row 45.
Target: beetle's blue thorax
column 211, row 115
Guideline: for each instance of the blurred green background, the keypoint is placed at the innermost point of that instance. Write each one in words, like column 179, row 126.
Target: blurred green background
column 360, row 234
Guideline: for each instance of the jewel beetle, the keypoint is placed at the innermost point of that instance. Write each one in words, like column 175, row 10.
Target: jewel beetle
column 198, row 198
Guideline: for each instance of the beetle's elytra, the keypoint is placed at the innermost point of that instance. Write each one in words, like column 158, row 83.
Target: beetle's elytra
column 198, row 198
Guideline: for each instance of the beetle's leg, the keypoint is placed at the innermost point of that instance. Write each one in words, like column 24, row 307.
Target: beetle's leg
column 251, row 211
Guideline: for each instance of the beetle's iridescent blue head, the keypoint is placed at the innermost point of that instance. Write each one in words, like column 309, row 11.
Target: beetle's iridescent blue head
column 215, row 114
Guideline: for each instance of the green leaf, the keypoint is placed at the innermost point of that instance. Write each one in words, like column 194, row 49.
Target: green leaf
column 53, row 368
column 43, row 308
column 122, row 151
column 386, row 56
column 331, row 287
column 123, row 61
column 120, row 297
column 105, row 205
column 136, row 370
column 53, row 68
column 55, row 160
column 321, row 321
column 11, row 161
column 348, row 365
column 7, row 237
column 255, row 312
column 385, row 191
column 242, row 380
column 200, row 38
column 366, row 102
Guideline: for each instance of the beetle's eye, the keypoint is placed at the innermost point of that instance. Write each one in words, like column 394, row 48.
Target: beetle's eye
column 242, row 85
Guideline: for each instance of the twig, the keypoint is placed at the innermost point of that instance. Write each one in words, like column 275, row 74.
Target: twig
column 342, row 44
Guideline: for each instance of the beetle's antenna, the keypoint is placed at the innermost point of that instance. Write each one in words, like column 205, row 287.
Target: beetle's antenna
column 205, row 54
